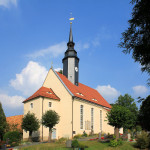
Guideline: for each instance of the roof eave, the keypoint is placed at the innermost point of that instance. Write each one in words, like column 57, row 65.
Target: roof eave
column 91, row 102
column 63, row 83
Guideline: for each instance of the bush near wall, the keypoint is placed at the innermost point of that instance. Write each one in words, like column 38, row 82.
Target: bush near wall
column 13, row 138
column 143, row 140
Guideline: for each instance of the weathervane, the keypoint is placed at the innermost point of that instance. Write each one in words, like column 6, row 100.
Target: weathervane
column 71, row 18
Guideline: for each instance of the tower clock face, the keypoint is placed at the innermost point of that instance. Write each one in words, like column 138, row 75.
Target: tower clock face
column 76, row 69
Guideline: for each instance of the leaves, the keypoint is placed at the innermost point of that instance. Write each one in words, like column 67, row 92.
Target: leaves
column 136, row 38
column 30, row 122
column 3, row 123
column 50, row 119
column 144, row 114
column 119, row 117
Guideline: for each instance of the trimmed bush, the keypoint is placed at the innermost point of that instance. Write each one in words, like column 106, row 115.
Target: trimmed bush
column 75, row 144
column 84, row 134
column 143, row 140
column 62, row 140
column 13, row 138
column 77, row 136
column 114, row 142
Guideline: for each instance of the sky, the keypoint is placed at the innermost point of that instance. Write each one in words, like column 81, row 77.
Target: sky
column 34, row 33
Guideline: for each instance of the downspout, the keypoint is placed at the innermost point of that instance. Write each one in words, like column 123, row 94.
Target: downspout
column 72, row 115
column 42, row 115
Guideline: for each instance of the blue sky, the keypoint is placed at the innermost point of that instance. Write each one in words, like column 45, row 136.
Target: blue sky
column 33, row 33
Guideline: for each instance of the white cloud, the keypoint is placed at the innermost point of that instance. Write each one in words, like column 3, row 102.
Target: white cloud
column 7, row 3
column 11, row 101
column 81, row 46
column 139, row 90
column 54, row 50
column 30, row 79
column 108, row 92
column 58, row 69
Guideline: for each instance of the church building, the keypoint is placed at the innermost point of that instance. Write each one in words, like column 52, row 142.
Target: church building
column 81, row 108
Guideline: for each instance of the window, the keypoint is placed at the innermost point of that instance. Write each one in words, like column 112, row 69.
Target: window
column 101, row 120
column 50, row 104
column 87, row 125
column 92, row 118
column 31, row 105
column 81, row 116
column 80, row 94
column 49, row 92
column 94, row 99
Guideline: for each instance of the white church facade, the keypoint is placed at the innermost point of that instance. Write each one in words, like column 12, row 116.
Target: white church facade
column 80, row 107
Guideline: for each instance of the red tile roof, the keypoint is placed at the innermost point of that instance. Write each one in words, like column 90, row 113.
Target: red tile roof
column 15, row 120
column 44, row 92
column 84, row 92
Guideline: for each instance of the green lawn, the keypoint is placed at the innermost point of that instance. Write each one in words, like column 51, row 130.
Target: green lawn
column 92, row 145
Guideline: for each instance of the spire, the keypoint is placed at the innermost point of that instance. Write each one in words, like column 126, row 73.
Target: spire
column 70, row 35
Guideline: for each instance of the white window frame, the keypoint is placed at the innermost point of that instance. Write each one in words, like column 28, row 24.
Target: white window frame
column 101, row 123
column 81, row 116
column 49, row 104
column 92, row 118
column 31, row 105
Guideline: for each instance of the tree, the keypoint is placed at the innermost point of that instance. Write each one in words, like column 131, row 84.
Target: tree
column 50, row 119
column 128, row 102
column 119, row 117
column 144, row 114
column 136, row 38
column 60, row 71
column 30, row 123
column 3, row 122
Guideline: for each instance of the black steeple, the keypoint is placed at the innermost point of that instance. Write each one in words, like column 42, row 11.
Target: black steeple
column 71, row 61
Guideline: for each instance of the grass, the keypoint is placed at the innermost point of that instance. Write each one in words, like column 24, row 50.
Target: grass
column 92, row 145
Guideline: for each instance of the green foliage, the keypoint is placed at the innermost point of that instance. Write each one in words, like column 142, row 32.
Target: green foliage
column 136, row 38
column 60, row 71
column 120, row 142
column 119, row 117
column 13, row 137
column 138, row 128
column 143, row 141
column 84, row 134
column 77, row 136
column 30, row 123
column 3, row 123
column 62, row 140
column 75, row 144
column 144, row 114
column 50, row 119
column 115, row 143
column 128, row 102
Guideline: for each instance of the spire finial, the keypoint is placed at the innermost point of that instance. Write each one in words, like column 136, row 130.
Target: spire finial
column 70, row 35
column 52, row 64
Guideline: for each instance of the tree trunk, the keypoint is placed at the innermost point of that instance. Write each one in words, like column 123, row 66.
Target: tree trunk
column 116, row 133
column 30, row 136
column 50, row 135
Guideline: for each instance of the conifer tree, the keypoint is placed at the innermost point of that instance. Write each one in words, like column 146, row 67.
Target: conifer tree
column 2, row 122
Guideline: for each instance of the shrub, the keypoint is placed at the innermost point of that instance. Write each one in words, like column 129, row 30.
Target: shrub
column 62, row 140
column 35, row 139
column 84, row 134
column 75, row 144
column 13, row 137
column 114, row 142
column 142, row 140
column 77, row 136
column 2, row 143
column 120, row 142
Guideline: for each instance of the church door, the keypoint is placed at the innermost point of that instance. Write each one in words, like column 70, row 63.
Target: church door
column 53, row 133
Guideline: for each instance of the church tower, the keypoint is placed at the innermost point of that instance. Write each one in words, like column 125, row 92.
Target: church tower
column 71, row 61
